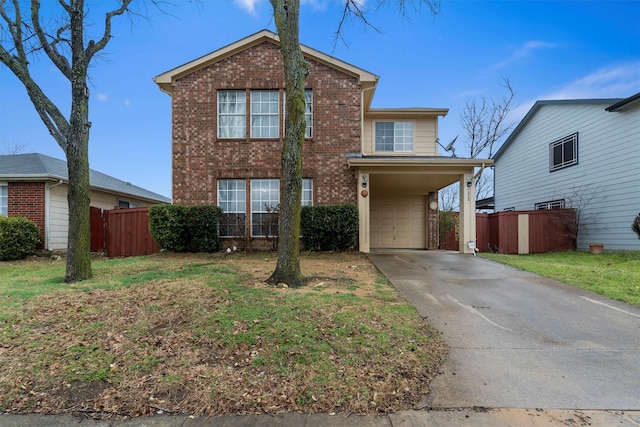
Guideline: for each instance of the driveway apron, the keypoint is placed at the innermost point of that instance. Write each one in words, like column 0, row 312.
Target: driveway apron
column 519, row 340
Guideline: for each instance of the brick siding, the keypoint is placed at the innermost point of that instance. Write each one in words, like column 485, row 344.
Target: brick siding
column 26, row 199
column 200, row 159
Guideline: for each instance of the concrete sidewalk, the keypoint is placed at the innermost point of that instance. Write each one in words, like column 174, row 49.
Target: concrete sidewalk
column 440, row 418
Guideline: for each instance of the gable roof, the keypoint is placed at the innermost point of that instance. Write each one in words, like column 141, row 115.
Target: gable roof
column 540, row 104
column 36, row 166
column 166, row 79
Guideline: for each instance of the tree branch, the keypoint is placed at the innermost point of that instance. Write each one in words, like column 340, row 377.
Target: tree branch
column 94, row 47
column 50, row 49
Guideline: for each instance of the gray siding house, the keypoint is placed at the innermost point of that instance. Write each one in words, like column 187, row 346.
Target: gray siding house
column 582, row 154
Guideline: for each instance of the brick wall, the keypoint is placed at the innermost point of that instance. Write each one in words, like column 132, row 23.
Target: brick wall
column 26, row 199
column 199, row 159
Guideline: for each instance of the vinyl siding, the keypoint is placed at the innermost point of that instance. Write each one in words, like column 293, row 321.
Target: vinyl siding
column 606, row 176
column 424, row 136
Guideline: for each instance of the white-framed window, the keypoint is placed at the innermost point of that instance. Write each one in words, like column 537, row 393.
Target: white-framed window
column 231, row 114
column 394, row 137
column 125, row 204
column 307, row 192
column 265, row 114
column 308, row 112
column 265, row 200
column 552, row 204
column 563, row 152
column 4, row 200
column 232, row 198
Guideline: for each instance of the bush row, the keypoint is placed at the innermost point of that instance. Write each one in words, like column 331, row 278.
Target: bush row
column 18, row 237
column 185, row 228
column 329, row 228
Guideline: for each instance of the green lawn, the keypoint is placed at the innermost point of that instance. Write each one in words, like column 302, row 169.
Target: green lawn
column 203, row 334
column 614, row 274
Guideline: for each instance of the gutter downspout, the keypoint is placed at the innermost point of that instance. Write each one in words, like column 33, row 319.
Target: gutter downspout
column 47, row 213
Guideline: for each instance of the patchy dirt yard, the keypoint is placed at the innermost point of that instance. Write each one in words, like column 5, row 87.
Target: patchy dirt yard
column 205, row 335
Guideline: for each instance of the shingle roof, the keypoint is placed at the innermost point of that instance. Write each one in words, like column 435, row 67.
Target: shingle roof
column 39, row 166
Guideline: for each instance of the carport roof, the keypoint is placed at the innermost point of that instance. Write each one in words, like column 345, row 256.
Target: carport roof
column 425, row 161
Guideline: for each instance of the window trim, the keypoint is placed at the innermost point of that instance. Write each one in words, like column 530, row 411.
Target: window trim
column 569, row 139
column 395, row 142
column 307, row 115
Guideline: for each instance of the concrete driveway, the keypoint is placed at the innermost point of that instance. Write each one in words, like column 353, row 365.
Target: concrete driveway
column 519, row 340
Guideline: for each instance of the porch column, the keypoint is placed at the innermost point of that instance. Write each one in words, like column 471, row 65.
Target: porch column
column 364, row 195
column 467, row 213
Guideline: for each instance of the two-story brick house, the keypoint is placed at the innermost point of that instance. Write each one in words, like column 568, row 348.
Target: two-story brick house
column 228, row 129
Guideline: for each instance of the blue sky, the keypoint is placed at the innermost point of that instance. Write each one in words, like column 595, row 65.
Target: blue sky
column 548, row 49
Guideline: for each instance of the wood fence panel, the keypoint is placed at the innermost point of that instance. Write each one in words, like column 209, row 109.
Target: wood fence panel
column 128, row 233
column 483, row 232
column 550, row 230
column 508, row 232
column 98, row 226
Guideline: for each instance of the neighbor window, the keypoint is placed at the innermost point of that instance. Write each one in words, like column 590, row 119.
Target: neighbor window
column 265, row 114
column 563, row 152
column 553, row 204
column 231, row 114
column 124, row 204
column 394, row 136
column 4, row 200
column 265, row 200
column 232, row 199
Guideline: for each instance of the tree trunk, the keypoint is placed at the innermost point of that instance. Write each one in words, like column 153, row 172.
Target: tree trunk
column 286, row 14
column 77, row 150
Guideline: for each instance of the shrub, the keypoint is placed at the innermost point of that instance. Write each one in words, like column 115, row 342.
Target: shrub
column 636, row 226
column 202, row 228
column 329, row 227
column 185, row 228
column 447, row 221
column 168, row 225
column 18, row 237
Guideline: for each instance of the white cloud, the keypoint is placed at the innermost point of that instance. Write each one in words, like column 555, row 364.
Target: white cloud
column 127, row 102
column 523, row 52
column 102, row 97
column 614, row 81
column 248, row 5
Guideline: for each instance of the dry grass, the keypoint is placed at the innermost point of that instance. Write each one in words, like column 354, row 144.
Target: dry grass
column 200, row 334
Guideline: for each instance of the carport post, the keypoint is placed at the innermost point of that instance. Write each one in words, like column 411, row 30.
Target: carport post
column 467, row 213
column 363, row 195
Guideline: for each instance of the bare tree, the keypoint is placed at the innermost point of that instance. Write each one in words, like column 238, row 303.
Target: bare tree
column 13, row 148
column 64, row 41
column 484, row 125
column 286, row 14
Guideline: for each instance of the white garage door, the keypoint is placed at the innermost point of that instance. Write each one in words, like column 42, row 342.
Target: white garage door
column 398, row 222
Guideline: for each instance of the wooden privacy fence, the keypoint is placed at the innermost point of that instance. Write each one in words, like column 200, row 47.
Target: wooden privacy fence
column 521, row 232
column 122, row 232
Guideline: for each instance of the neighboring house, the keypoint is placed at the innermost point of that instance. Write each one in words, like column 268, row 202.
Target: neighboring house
column 228, row 132
column 35, row 186
column 581, row 154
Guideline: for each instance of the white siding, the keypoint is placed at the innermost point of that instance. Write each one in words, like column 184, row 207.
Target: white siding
column 606, row 176
column 424, row 136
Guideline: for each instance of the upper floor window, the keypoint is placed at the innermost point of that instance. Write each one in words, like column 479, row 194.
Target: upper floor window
column 265, row 114
column 4, row 200
column 553, row 204
column 308, row 113
column 394, row 137
column 563, row 152
column 231, row 114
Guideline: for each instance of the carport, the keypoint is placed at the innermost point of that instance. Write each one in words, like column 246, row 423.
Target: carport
column 398, row 199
